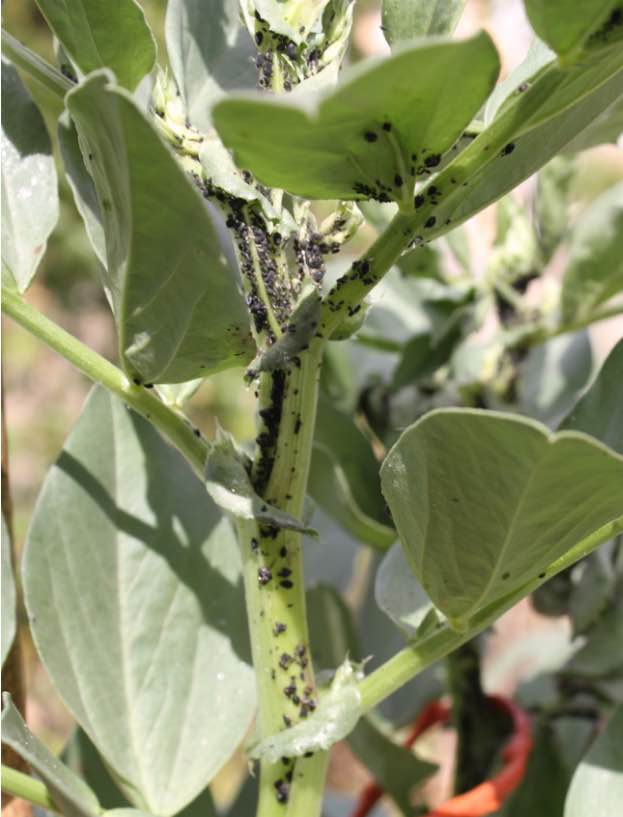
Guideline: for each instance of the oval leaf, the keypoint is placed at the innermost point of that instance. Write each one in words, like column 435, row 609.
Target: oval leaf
column 389, row 121
column 179, row 309
column 210, row 53
column 103, row 34
column 485, row 502
column 132, row 585
column 29, row 188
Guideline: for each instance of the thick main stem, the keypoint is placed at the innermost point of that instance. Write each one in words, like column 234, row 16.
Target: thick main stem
column 273, row 564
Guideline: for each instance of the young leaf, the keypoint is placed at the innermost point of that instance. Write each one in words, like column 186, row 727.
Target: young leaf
column 100, row 34
column 485, row 502
column 599, row 412
column 390, row 120
column 142, row 629
column 70, row 794
column 594, row 270
column 210, row 53
column 29, row 187
column 229, row 485
column 9, row 596
column 566, row 25
column 599, row 777
column 178, row 306
column 405, row 20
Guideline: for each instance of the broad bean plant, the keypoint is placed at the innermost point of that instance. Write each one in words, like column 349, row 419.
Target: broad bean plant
column 432, row 473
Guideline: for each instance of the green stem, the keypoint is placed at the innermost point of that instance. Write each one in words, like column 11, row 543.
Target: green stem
column 173, row 426
column 419, row 655
column 18, row 784
column 309, row 784
column 33, row 64
column 273, row 567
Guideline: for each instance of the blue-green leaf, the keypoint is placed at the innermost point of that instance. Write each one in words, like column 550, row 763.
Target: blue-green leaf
column 210, row 53
column 133, row 590
column 176, row 296
column 29, row 187
column 486, row 502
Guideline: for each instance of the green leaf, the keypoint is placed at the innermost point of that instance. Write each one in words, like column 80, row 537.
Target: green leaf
column 29, row 187
column 9, row 595
column 209, row 52
column 605, row 129
column 400, row 596
column 535, row 123
column 133, row 590
column 335, row 717
column 599, row 412
column 486, row 502
column 566, row 25
column 335, row 146
column 179, row 310
column 81, row 184
column 229, row 485
column 409, row 19
column 553, row 375
column 344, row 478
column 598, row 780
column 100, row 34
column 71, row 794
column 594, row 271
column 396, row 769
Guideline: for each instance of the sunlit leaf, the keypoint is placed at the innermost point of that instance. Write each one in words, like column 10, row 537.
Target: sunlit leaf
column 176, row 295
column 9, row 595
column 103, row 34
column 210, row 53
column 485, row 502
column 133, row 590
column 386, row 123
column 29, row 187
column 409, row 19
column 566, row 25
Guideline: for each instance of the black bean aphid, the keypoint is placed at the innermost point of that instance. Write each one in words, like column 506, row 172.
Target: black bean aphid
column 370, row 136
column 279, row 628
column 418, row 201
column 287, row 584
column 507, row 149
column 283, row 791
column 398, row 180
column 387, row 126
column 430, row 222
column 285, row 659
column 433, row 160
